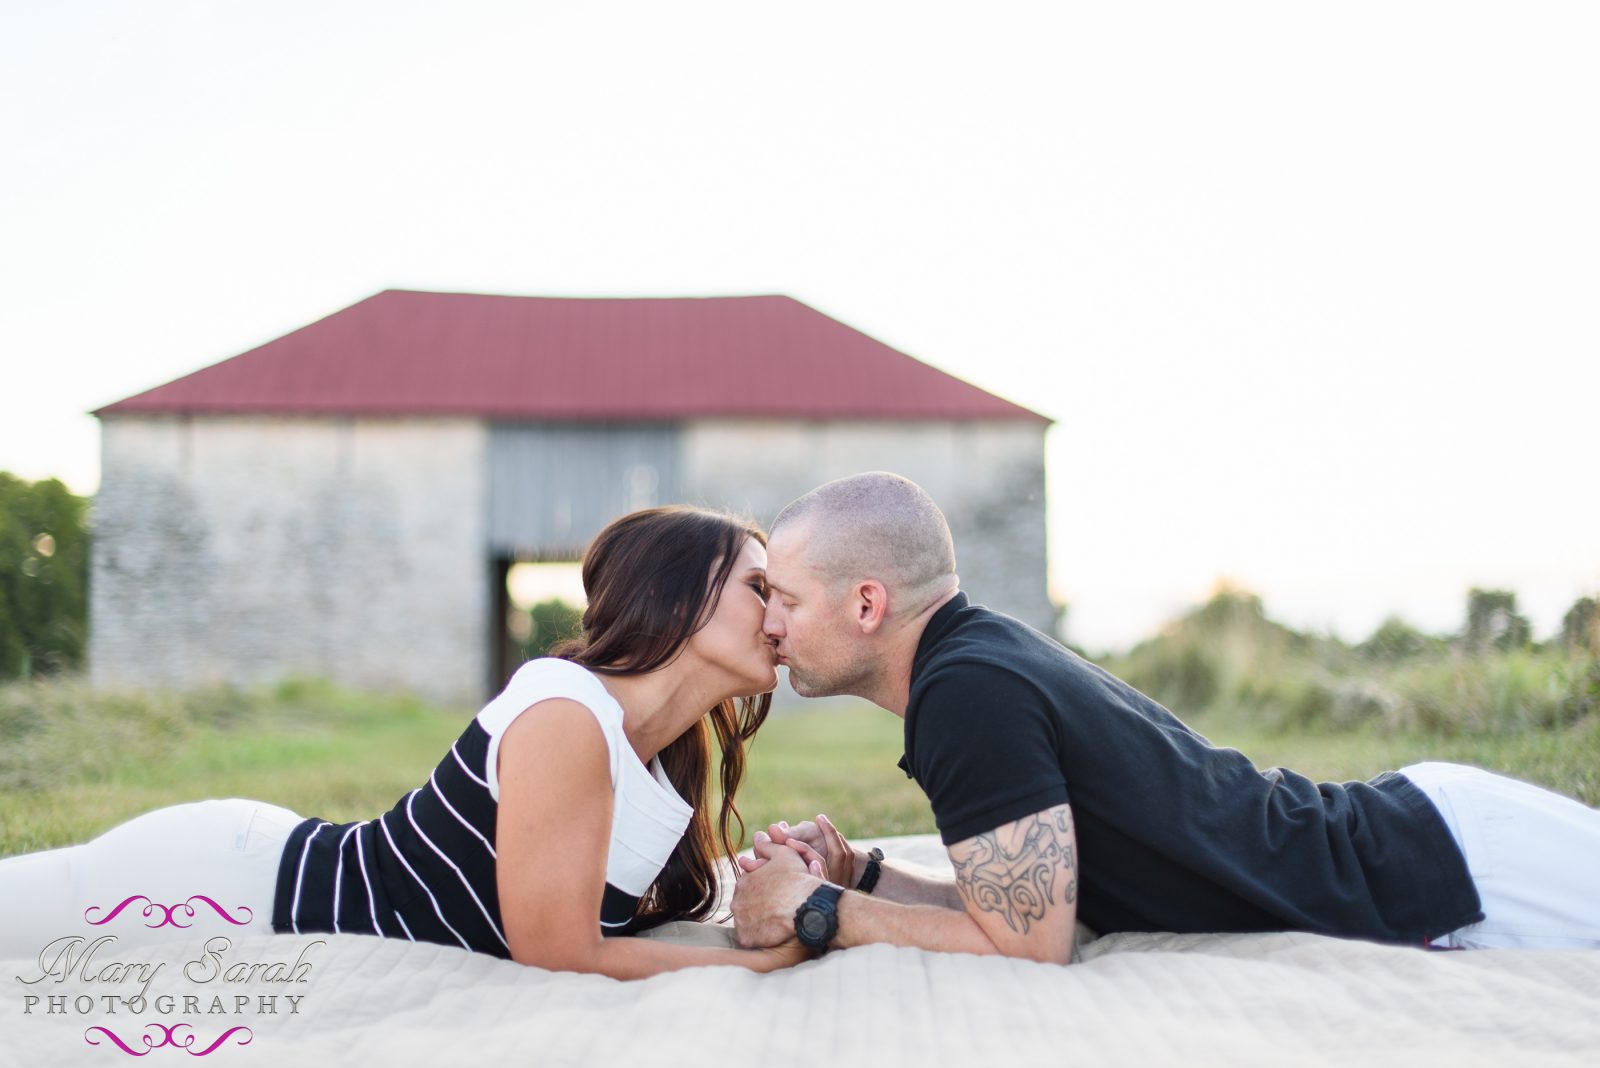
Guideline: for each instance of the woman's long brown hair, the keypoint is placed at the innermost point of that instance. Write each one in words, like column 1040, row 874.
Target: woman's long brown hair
column 650, row 582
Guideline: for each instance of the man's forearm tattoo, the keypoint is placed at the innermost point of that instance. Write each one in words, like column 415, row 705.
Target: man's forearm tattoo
column 1020, row 883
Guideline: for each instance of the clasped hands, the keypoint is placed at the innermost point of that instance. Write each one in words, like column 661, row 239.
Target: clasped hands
column 786, row 865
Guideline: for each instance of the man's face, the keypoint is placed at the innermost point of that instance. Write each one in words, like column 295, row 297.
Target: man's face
column 810, row 622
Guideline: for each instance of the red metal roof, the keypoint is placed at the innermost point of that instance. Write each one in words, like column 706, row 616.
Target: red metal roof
column 403, row 352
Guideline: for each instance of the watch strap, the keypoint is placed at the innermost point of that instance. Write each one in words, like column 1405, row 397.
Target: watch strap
column 869, row 877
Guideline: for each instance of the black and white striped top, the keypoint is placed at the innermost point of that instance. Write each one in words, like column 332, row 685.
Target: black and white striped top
column 425, row 870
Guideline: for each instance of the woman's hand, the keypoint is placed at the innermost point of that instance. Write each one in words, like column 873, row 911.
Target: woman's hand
column 766, row 846
column 786, row 955
column 819, row 839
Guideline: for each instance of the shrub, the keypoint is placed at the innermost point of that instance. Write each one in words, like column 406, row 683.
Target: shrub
column 1227, row 659
column 1358, row 702
column 1396, row 640
column 1180, row 675
column 1494, row 693
column 44, row 564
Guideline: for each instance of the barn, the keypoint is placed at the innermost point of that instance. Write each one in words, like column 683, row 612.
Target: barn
column 345, row 501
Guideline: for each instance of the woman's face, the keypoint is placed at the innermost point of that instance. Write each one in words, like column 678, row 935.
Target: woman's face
column 734, row 639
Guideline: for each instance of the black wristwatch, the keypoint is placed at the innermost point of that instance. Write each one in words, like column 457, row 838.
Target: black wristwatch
column 817, row 920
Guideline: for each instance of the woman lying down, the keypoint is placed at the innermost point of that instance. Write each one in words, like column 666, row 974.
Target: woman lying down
column 574, row 806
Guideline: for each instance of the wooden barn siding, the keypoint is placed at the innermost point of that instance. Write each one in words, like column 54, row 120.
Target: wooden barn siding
column 553, row 487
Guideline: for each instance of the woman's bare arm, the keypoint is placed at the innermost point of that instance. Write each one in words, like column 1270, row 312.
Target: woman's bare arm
column 552, row 836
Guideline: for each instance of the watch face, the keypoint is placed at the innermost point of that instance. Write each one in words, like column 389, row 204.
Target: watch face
column 813, row 925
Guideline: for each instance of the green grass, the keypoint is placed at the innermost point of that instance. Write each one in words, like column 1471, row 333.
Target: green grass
column 841, row 763
column 74, row 762
column 1566, row 759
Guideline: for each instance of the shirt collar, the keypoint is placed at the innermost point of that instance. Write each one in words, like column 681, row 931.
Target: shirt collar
column 941, row 623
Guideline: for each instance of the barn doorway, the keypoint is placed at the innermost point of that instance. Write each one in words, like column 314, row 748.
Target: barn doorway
column 536, row 604
column 552, row 488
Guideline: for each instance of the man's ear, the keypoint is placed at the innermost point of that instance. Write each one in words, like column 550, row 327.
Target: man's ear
column 871, row 605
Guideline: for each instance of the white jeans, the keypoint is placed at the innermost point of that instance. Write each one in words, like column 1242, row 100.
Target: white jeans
column 226, row 850
column 1534, row 855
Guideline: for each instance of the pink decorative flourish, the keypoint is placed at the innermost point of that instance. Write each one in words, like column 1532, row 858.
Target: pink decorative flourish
column 248, row 914
column 184, row 1042
column 116, row 911
column 245, row 1041
column 123, row 1046
column 166, row 919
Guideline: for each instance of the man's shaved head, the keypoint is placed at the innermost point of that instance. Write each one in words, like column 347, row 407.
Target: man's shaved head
column 875, row 525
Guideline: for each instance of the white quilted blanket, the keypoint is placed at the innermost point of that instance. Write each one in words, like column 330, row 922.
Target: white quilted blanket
column 1147, row 999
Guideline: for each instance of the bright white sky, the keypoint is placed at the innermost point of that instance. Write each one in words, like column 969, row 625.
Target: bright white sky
column 1310, row 289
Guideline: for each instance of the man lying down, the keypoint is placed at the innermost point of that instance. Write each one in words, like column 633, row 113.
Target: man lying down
column 1063, row 794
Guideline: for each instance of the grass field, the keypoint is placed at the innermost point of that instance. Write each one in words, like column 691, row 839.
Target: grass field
column 74, row 762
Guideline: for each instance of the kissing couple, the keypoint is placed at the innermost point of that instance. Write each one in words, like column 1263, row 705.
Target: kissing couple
column 575, row 810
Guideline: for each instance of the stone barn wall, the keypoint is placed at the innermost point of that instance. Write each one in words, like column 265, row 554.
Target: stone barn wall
column 248, row 549
column 987, row 478
column 251, row 548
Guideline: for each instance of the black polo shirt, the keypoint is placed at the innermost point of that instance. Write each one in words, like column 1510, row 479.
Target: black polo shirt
column 1174, row 833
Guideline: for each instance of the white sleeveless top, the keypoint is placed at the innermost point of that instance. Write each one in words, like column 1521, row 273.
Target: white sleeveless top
column 648, row 817
column 426, row 870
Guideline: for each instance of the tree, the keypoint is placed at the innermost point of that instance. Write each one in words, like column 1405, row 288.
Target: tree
column 1580, row 627
column 551, row 622
column 44, row 570
column 1395, row 640
column 1493, row 621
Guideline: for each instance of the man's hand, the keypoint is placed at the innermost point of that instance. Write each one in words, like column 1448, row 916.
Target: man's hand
column 765, row 898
